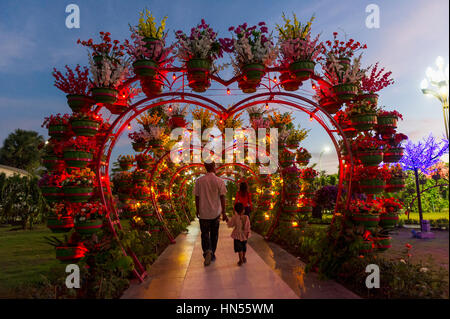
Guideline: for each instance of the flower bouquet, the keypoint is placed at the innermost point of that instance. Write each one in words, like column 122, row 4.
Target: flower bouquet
column 371, row 179
column 176, row 114
column 88, row 219
column 199, row 51
column 50, row 185
column 298, row 49
column 150, row 119
column 326, row 98
column 393, row 152
column 344, row 79
column 387, row 121
column 233, row 122
column 365, row 213
column 59, row 219
column 343, row 120
column 79, row 185
column 125, row 162
column 308, row 174
column 108, row 68
column 85, row 124
column 123, row 184
column 57, row 125
column 124, row 96
column 368, row 150
column 373, row 82
column 302, row 156
column 156, row 135
column 294, row 137
column 76, row 87
column 253, row 51
column 397, row 180
column 139, row 140
column 363, row 115
column 257, row 111
column 79, row 152
column 281, row 121
column 389, row 214
column 204, row 116
column 343, row 51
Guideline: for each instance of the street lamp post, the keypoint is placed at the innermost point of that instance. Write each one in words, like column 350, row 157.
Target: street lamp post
column 436, row 84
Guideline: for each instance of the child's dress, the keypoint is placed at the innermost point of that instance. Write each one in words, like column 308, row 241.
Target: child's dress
column 241, row 231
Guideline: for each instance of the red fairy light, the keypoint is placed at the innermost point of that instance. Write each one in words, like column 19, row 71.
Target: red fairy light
column 228, row 91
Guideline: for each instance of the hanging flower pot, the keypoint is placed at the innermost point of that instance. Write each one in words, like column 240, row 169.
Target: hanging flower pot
column 71, row 253
column 364, row 122
column 138, row 146
column 288, row 82
column 153, row 44
column 302, row 69
column 370, row 98
column 382, row 243
column 140, row 179
column 80, row 103
column 198, row 74
column 60, row 225
column 52, row 193
column 372, row 186
column 88, row 226
column 177, row 121
column 387, row 121
column 116, row 108
column 124, row 197
column 104, row 95
column 330, row 105
column 394, row 185
column 52, row 162
column 350, row 132
column 345, row 91
column 85, row 127
column 78, row 194
column 74, row 158
column 144, row 164
column 370, row 158
column 253, row 73
column 152, row 86
column 57, row 131
column 367, row 220
column 145, row 68
column 247, row 87
column 393, row 155
column 388, row 221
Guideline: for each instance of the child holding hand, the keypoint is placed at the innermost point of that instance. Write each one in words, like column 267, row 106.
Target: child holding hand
column 241, row 231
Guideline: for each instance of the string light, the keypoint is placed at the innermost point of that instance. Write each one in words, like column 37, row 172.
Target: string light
column 294, row 224
column 129, row 126
column 311, row 118
column 228, row 91
column 174, row 76
column 275, row 79
column 314, row 86
column 267, row 106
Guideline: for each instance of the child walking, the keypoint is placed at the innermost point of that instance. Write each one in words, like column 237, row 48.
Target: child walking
column 241, row 231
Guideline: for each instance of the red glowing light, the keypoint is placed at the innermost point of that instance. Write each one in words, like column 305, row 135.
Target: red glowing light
column 174, row 76
column 228, row 91
column 275, row 79
column 314, row 86
column 129, row 126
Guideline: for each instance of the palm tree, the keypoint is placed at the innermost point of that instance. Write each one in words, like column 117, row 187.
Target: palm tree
column 21, row 150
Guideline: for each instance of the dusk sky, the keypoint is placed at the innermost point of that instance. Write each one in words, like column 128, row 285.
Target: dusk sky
column 34, row 39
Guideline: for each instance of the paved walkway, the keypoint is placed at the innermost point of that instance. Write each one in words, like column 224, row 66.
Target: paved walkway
column 179, row 273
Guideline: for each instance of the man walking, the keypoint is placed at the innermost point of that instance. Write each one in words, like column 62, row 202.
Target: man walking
column 210, row 193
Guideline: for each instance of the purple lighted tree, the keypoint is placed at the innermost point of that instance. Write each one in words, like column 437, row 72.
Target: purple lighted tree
column 421, row 157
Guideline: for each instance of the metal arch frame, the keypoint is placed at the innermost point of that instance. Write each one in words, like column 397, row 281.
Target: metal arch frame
column 122, row 121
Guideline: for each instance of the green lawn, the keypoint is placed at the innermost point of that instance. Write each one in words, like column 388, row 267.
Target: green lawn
column 25, row 258
column 429, row 216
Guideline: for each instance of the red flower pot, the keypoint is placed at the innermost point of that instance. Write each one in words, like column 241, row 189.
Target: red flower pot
column 60, row 225
column 71, row 253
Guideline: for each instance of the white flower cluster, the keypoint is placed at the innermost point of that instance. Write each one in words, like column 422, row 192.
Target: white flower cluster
column 337, row 74
column 155, row 132
column 246, row 53
column 108, row 73
column 198, row 48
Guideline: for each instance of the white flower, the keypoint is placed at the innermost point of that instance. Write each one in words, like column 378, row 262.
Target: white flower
column 423, row 269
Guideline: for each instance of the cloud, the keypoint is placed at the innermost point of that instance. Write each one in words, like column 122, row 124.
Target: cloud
column 15, row 47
